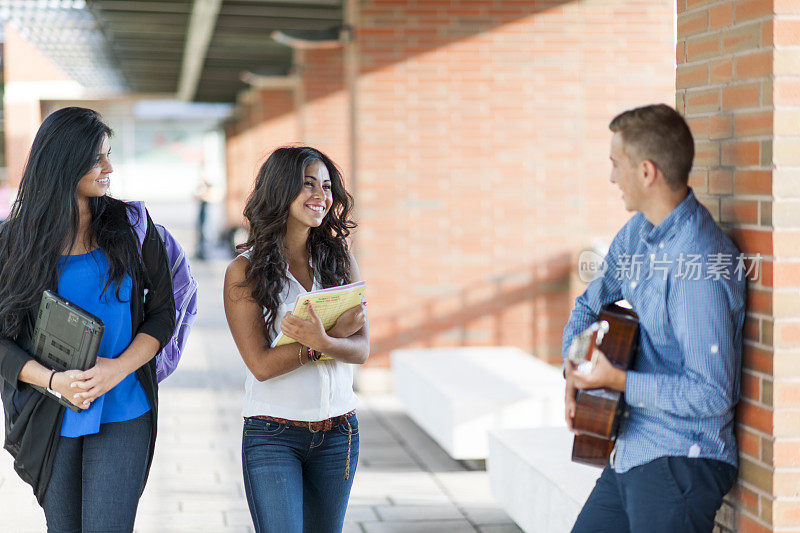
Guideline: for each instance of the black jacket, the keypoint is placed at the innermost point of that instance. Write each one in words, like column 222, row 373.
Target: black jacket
column 33, row 421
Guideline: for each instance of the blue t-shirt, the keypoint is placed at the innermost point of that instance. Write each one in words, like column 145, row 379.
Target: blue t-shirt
column 81, row 282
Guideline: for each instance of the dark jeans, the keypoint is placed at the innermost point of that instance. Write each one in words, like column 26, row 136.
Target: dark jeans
column 97, row 479
column 294, row 479
column 666, row 495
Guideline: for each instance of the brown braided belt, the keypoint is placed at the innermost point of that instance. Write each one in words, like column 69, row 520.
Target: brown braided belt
column 314, row 427
column 321, row 425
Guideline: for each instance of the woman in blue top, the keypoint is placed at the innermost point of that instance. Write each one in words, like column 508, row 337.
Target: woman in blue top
column 87, row 468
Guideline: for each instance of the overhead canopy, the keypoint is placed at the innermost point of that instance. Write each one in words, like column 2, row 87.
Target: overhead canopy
column 195, row 49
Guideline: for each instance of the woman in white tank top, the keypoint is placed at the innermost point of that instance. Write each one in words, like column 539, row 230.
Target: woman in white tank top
column 300, row 436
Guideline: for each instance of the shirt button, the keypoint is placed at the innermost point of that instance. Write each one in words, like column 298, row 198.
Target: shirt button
column 661, row 245
column 714, row 348
column 633, row 284
column 641, row 405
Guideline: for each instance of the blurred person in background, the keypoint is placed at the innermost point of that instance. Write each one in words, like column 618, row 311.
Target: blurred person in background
column 204, row 196
column 300, row 437
column 65, row 234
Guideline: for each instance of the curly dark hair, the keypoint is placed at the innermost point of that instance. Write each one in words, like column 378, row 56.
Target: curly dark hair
column 44, row 218
column 279, row 181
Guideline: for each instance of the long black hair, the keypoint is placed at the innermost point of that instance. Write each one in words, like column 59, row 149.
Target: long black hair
column 44, row 219
column 278, row 183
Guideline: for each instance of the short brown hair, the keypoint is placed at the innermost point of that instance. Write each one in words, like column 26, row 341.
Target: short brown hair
column 659, row 134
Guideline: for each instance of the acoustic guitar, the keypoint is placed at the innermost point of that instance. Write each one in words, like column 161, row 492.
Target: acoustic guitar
column 598, row 411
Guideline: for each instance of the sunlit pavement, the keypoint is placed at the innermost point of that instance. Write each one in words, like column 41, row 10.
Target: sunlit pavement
column 404, row 482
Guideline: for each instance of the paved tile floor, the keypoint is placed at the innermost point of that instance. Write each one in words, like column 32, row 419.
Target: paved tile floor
column 404, row 482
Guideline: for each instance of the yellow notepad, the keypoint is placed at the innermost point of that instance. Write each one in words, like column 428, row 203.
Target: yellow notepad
column 329, row 304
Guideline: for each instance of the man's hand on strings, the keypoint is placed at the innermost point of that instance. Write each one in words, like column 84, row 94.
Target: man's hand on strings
column 603, row 374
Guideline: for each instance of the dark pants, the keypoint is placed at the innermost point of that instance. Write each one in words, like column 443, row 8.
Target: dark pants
column 666, row 495
column 295, row 479
column 97, row 479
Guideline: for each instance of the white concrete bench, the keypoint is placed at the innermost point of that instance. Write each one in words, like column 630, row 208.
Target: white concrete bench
column 533, row 479
column 458, row 394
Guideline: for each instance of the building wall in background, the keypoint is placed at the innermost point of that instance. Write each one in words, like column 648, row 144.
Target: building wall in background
column 481, row 154
column 325, row 117
column 27, row 73
column 738, row 66
column 160, row 148
column 266, row 120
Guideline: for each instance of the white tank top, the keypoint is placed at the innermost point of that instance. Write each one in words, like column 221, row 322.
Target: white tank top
column 315, row 391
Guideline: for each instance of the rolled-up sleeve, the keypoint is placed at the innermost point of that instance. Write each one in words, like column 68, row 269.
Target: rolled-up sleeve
column 159, row 304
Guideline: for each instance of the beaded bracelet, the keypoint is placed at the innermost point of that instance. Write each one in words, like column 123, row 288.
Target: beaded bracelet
column 314, row 355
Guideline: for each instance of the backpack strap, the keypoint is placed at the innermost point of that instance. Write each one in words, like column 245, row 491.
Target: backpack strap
column 184, row 290
column 138, row 219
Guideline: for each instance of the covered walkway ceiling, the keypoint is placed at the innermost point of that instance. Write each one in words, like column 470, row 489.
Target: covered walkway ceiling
column 195, row 49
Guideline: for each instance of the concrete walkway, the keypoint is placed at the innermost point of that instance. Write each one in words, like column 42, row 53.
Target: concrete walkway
column 404, row 482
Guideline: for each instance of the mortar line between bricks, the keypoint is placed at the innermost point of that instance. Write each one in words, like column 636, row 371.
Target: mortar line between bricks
column 411, row 452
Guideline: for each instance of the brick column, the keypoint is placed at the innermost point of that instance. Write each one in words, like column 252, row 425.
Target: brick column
column 326, row 114
column 786, row 270
column 268, row 121
column 738, row 65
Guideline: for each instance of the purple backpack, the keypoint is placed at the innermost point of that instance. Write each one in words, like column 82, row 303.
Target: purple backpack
column 184, row 288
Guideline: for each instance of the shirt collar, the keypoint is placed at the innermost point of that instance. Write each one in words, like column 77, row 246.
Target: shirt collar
column 682, row 212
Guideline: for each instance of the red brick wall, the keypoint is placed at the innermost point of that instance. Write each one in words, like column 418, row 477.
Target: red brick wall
column 325, row 117
column 269, row 118
column 266, row 121
column 738, row 65
column 484, row 149
column 482, row 155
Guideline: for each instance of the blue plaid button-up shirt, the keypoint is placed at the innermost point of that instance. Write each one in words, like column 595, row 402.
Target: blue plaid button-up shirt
column 685, row 280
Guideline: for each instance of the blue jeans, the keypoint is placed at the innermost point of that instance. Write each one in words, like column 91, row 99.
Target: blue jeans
column 666, row 495
column 295, row 479
column 97, row 479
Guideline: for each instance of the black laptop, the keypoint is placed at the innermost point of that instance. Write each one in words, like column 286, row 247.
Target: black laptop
column 65, row 337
